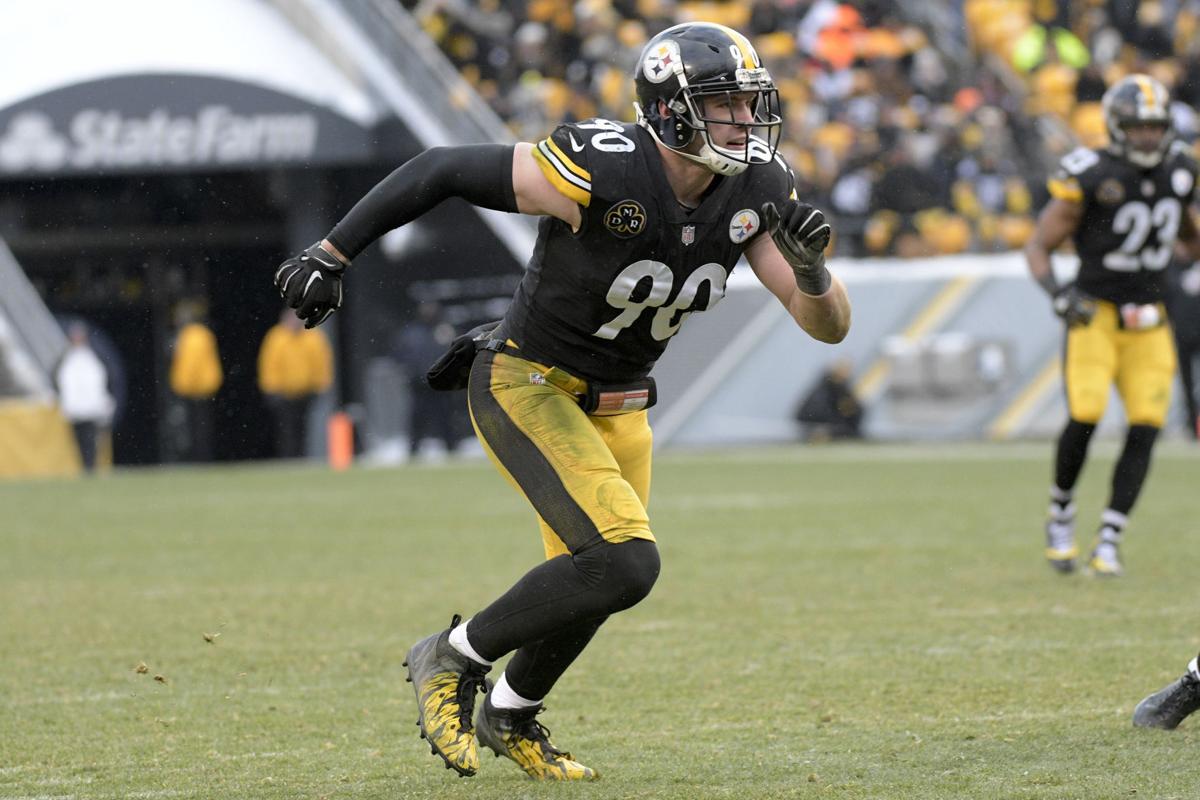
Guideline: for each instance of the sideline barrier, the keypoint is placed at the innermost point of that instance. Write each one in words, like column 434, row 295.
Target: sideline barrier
column 36, row 442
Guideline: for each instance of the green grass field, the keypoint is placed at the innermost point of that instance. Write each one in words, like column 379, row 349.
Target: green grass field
column 845, row 622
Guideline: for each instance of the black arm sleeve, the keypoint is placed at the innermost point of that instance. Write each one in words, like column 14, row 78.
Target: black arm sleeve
column 481, row 174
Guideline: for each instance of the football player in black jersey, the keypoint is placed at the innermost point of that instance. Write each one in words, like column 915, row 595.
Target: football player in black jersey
column 641, row 225
column 1126, row 206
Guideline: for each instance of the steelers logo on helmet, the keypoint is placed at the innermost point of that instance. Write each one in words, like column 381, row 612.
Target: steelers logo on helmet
column 661, row 61
column 1141, row 101
column 690, row 77
column 744, row 224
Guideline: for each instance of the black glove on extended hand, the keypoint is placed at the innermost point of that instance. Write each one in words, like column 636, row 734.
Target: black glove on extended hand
column 1075, row 306
column 801, row 234
column 311, row 283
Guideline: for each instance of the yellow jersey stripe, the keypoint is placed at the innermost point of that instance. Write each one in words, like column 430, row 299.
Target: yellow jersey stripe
column 568, row 185
column 568, row 163
column 569, row 170
column 1065, row 190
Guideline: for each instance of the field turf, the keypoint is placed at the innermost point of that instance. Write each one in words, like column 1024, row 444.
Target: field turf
column 841, row 622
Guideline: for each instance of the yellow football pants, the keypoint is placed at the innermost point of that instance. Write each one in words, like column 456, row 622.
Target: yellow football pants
column 585, row 476
column 1141, row 363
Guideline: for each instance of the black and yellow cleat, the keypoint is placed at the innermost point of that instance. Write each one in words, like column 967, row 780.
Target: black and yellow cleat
column 446, row 682
column 516, row 734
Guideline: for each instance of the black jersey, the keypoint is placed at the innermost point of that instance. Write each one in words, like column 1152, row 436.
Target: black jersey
column 602, row 302
column 1130, row 222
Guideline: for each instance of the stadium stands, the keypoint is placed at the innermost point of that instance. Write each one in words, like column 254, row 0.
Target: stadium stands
column 924, row 131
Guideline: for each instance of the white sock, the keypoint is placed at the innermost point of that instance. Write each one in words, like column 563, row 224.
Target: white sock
column 1194, row 669
column 502, row 696
column 458, row 640
column 1114, row 520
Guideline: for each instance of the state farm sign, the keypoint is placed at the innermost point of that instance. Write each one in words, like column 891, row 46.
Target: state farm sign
column 149, row 123
column 105, row 138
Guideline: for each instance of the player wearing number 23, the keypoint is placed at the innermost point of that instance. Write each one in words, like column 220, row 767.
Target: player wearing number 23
column 641, row 224
column 1127, row 207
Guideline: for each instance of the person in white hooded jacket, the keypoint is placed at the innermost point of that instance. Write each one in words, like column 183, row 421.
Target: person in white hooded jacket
column 83, row 393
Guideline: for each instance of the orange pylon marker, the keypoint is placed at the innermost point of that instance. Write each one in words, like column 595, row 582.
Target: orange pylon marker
column 340, row 433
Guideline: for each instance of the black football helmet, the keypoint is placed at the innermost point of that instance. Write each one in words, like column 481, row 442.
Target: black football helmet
column 1137, row 100
column 686, row 63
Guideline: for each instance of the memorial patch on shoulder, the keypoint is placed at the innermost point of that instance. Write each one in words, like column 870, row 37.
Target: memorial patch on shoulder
column 626, row 219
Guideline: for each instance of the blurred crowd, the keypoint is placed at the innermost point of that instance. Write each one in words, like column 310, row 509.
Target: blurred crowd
column 923, row 131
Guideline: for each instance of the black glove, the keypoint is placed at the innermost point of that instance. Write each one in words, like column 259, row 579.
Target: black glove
column 801, row 234
column 1075, row 306
column 311, row 283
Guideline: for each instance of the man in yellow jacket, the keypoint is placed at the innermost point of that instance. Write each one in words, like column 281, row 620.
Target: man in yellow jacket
column 294, row 366
column 195, row 378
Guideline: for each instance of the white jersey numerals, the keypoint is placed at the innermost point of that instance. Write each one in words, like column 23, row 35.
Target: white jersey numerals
column 1136, row 220
column 611, row 138
column 664, row 324
column 1079, row 160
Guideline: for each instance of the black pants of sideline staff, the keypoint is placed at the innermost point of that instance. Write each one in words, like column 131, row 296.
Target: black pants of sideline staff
column 85, row 437
column 291, row 424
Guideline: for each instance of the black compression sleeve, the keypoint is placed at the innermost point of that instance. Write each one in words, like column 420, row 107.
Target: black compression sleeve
column 481, row 174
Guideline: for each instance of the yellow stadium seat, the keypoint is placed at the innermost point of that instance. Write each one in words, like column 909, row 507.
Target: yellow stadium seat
column 556, row 95
column 778, row 45
column 1052, row 90
column 987, row 229
column 793, row 92
column 879, row 230
column 1017, row 197
column 971, row 136
column 1014, row 231
column 733, row 15
column 837, row 137
column 881, row 43
column 632, row 34
column 943, row 231
column 435, row 27
column 965, row 201
column 1087, row 123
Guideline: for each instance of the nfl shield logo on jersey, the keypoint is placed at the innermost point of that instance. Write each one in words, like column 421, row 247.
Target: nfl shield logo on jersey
column 689, row 234
column 743, row 225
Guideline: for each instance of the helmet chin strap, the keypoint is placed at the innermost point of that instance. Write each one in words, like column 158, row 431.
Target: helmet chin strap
column 1139, row 158
column 708, row 156
column 1144, row 159
column 712, row 158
